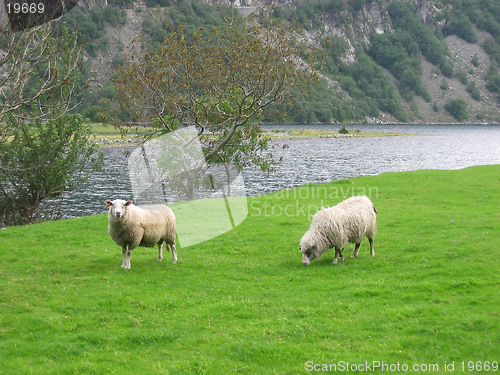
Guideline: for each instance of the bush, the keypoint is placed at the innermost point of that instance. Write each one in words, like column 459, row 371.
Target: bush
column 461, row 27
column 457, row 108
column 474, row 91
column 444, row 84
column 343, row 130
column 475, row 60
column 157, row 3
column 43, row 160
column 462, row 76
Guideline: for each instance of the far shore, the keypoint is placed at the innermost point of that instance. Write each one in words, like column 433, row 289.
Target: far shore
column 313, row 133
column 109, row 136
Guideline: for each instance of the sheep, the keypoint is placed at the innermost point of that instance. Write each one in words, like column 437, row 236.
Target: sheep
column 132, row 226
column 348, row 221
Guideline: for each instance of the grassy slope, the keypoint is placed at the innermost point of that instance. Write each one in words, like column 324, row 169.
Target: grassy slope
column 243, row 302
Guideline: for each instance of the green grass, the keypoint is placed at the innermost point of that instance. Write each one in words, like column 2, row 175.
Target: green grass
column 243, row 303
column 103, row 130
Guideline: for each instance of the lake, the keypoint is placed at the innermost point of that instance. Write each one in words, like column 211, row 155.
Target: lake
column 319, row 160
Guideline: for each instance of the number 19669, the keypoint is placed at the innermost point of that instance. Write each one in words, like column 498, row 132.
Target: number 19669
column 25, row 8
column 479, row 366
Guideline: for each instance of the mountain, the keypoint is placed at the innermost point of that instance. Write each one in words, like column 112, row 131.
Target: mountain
column 388, row 61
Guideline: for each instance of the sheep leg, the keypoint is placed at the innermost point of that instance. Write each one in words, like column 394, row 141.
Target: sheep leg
column 372, row 253
column 126, row 256
column 338, row 252
column 124, row 252
column 174, row 254
column 160, row 252
column 129, row 255
column 356, row 251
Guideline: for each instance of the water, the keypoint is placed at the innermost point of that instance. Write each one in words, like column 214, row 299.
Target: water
column 320, row 160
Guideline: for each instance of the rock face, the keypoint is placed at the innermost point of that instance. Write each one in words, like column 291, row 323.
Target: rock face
column 92, row 3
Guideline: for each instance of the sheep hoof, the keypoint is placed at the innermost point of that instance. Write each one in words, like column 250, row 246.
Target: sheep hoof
column 159, row 259
column 174, row 261
column 372, row 254
column 335, row 261
column 354, row 256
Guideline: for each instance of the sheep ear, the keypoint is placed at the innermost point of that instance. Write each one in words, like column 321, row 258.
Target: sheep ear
column 108, row 203
column 129, row 203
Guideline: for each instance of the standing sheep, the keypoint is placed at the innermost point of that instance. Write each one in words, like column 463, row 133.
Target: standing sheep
column 132, row 226
column 349, row 221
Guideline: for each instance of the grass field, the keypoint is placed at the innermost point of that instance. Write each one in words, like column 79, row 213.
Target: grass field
column 243, row 303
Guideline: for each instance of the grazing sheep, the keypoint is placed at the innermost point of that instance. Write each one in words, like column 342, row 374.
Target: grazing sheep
column 349, row 221
column 132, row 226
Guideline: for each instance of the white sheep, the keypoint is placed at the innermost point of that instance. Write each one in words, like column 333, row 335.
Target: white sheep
column 348, row 221
column 131, row 226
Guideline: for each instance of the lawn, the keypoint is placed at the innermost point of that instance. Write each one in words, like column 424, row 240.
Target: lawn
column 243, row 303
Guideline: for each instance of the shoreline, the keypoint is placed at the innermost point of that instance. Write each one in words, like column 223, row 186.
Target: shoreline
column 112, row 141
column 314, row 134
column 107, row 136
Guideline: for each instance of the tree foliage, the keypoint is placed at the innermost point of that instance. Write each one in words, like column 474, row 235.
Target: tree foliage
column 90, row 25
column 485, row 15
column 219, row 81
column 43, row 159
column 43, row 149
column 401, row 51
column 457, row 108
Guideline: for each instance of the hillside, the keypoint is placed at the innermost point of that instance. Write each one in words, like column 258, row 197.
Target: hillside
column 415, row 61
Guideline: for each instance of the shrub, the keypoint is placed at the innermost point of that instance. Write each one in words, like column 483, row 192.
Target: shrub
column 343, row 130
column 474, row 91
column 462, row 76
column 475, row 60
column 461, row 27
column 43, row 160
column 457, row 108
column 444, row 84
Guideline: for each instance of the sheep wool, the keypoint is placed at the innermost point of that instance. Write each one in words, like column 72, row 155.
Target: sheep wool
column 349, row 221
column 131, row 226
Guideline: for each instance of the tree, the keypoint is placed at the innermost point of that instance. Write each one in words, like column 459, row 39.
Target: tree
column 41, row 73
column 42, row 160
column 44, row 150
column 457, row 108
column 219, row 81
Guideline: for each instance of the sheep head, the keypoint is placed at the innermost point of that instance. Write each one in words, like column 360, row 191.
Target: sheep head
column 308, row 254
column 118, row 207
